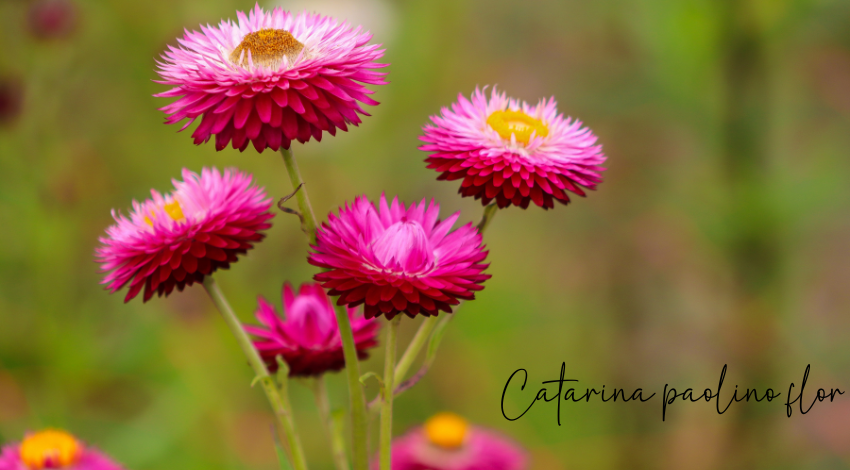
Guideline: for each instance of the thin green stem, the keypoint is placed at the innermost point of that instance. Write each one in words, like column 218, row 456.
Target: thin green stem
column 386, row 437
column 280, row 402
column 414, row 347
column 359, row 424
column 416, row 344
column 309, row 219
column 487, row 217
column 320, row 391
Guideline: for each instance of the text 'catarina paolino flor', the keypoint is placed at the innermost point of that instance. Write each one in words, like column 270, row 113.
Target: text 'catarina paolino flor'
column 568, row 390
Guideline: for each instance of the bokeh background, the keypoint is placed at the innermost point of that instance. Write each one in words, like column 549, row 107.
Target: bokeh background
column 721, row 234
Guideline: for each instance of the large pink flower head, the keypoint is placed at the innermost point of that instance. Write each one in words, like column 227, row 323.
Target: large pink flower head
column 513, row 153
column 178, row 238
column 308, row 339
column 447, row 442
column 270, row 78
column 53, row 449
column 396, row 259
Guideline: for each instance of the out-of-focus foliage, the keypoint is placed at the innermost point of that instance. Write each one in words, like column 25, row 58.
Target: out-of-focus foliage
column 720, row 236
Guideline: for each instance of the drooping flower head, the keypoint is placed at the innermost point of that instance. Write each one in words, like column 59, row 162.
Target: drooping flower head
column 395, row 259
column 448, row 442
column 174, row 240
column 53, row 449
column 308, row 338
column 513, row 153
column 270, row 78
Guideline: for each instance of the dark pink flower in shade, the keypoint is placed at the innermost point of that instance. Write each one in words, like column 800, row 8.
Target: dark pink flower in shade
column 507, row 151
column 53, row 449
column 174, row 240
column 447, row 442
column 11, row 99
column 308, row 338
column 395, row 259
column 270, row 78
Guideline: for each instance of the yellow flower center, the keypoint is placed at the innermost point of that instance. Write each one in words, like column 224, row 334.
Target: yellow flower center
column 50, row 448
column 268, row 48
column 517, row 123
column 446, row 430
column 173, row 210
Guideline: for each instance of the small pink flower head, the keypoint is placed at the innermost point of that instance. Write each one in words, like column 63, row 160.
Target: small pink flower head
column 308, row 339
column 396, row 259
column 53, row 449
column 270, row 78
column 513, row 153
column 447, row 442
column 177, row 239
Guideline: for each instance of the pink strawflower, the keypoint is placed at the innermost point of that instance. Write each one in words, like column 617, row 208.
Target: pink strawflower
column 270, row 79
column 177, row 239
column 447, row 442
column 506, row 150
column 53, row 449
column 308, row 339
column 398, row 260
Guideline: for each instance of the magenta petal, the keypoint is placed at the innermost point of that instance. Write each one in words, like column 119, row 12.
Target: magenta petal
column 308, row 340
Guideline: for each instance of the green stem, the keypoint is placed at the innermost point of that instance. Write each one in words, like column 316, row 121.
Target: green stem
column 389, row 389
column 280, row 404
column 334, row 432
column 487, row 217
column 359, row 424
column 414, row 347
column 300, row 195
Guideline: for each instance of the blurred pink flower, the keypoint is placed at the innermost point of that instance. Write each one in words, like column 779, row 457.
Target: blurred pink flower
column 447, row 442
column 270, row 79
column 53, row 449
column 177, row 239
column 398, row 260
column 506, row 150
column 308, row 339
column 52, row 19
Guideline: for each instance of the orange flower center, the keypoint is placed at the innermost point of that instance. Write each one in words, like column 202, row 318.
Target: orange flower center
column 517, row 123
column 268, row 48
column 173, row 210
column 50, row 448
column 446, row 430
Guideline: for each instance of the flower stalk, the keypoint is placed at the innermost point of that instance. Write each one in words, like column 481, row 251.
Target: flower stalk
column 359, row 423
column 414, row 347
column 386, row 436
column 280, row 403
column 300, row 195
column 331, row 426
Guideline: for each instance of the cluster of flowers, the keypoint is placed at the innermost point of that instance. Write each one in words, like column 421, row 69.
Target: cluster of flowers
column 272, row 78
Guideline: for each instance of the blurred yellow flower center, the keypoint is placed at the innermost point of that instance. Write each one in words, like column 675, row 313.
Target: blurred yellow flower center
column 517, row 123
column 173, row 210
column 446, row 430
column 50, row 448
column 268, row 48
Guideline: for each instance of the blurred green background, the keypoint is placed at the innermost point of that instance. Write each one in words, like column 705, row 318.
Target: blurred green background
column 721, row 234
